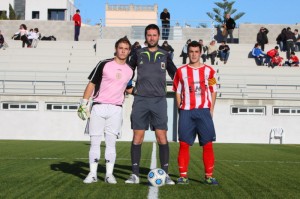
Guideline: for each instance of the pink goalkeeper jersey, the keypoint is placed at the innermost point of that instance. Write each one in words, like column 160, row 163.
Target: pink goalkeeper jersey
column 195, row 86
column 112, row 79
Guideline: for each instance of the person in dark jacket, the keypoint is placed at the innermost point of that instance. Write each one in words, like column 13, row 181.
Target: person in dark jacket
column 262, row 37
column 165, row 22
column 167, row 47
column 1, row 40
column 230, row 26
column 281, row 41
column 290, row 37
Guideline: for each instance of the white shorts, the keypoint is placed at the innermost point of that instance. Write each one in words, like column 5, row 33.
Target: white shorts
column 106, row 118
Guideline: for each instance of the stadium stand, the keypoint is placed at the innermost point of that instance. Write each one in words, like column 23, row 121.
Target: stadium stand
column 57, row 72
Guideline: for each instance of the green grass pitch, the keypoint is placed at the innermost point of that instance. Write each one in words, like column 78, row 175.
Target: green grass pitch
column 55, row 169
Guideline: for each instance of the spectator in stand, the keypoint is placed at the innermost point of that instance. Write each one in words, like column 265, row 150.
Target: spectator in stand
column 134, row 48
column 212, row 52
column 297, row 40
column 230, row 26
column 290, row 38
column 224, row 51
column 281, row 41
column 270, row 54
column 1, row 40
column 23, row 34
column 77, row 22
column 258, row 54
column 165, row 22
column 293, row 61
column 167, row 47
column 262, row 37
column 203, row 50
column 276, row 61
column 184, row 54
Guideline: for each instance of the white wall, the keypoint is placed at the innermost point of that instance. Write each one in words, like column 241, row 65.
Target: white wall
column 53, row 125
column 44, row 5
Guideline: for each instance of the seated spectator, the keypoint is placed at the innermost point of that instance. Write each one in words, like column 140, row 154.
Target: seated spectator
column 293, row 61
column 270, row 54
column 167, row 47
column 33, row 37
column 212, row 52
column 258, row 55
column 204, row 51
column 276, row 61
column 1, row 40
column 23, row 34
column 224, row 51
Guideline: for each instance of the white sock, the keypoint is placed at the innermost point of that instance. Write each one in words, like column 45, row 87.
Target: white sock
column 110, row 152
column 109, row 168
column 93, row 168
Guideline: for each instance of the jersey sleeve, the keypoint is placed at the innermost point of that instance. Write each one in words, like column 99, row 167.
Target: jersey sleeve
column 133, row 61
column 177, row 87
column 212, row 82
column 96, row 75
column 171, row 68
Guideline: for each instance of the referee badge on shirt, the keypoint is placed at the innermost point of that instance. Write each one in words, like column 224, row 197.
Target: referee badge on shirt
column 163, row 65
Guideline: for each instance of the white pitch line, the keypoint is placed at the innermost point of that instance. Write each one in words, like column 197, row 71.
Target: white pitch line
column 153, row 191
column 126, row 159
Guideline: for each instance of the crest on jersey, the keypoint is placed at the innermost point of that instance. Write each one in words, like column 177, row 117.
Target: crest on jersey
column 163, row 65
column 118, row 75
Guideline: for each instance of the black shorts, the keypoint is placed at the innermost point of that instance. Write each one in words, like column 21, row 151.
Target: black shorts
column 149, row 111
column 196, row 122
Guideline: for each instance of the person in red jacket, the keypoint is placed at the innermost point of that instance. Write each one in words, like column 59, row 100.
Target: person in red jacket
column 293, row 61
column 270, row 55
column 77, row 21
column 276, row 61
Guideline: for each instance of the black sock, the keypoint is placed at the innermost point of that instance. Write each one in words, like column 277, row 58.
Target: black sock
column 136, row 150
column 164, row 156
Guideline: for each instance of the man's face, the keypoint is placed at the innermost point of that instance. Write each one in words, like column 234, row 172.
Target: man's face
column 122, row 51
column 152, row 37
column 227, row 16
column 194, row 54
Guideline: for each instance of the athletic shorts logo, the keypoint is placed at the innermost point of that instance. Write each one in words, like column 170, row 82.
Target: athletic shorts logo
column 163, row 65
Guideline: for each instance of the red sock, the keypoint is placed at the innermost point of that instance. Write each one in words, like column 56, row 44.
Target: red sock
column 208, row 159
column 183, row 158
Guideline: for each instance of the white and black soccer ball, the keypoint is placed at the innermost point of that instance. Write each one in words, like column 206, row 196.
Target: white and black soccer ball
column 157, row 177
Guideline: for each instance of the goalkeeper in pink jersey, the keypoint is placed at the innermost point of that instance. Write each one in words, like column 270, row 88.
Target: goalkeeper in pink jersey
column 108, row 82
column 195, row 86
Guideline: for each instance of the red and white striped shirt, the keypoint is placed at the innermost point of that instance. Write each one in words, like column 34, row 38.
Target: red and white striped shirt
column 195, row 86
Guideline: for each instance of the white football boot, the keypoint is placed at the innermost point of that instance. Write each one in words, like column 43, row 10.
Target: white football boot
column 110, row 179
column 169, row 181
column 92, row 177
column 133, row 179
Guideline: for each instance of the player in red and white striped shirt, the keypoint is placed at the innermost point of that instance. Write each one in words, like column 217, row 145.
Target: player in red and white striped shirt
column 195, row 86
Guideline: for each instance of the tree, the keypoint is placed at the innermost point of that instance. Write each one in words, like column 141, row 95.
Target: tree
column 225, row 7
column 12, row 13
column 3, row 16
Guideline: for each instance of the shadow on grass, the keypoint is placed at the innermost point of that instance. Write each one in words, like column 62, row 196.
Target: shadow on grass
column 81, row 170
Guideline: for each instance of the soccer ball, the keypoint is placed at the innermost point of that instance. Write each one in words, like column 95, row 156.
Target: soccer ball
column 157, row 177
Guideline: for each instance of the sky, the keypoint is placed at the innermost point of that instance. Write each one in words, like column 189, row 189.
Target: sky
column 256, row 11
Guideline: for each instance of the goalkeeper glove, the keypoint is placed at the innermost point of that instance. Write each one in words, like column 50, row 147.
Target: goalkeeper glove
column 83, row 110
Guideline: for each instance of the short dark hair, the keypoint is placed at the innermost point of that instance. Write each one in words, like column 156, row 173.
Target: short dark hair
column 194, row 44
column 77, row 10
column 123, row 40
column 276, row 47
column 152, row 26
